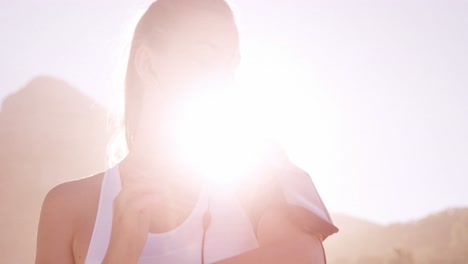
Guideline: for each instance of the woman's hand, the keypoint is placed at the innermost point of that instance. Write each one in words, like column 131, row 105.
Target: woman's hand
column 131, row 220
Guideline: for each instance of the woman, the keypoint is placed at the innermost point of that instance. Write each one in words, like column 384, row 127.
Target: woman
column 148, row 208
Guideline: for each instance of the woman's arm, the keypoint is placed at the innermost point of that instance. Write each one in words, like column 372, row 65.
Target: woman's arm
column 55, row 233
column 280, row 241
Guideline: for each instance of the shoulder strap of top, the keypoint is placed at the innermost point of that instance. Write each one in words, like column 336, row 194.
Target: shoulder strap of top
column 110, row 187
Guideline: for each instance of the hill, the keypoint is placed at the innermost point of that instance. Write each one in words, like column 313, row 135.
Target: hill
column 49, row 133
column 351, row 225
column 438, row 238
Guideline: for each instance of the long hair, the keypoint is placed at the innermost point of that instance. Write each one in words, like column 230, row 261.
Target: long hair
column 160, row 17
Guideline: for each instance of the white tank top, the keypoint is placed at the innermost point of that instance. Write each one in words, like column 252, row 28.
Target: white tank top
column 230, row 232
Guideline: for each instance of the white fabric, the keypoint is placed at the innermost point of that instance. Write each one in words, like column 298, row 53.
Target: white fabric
column 230, row 232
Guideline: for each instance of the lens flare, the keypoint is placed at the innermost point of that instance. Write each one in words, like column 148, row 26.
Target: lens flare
column 217, row 138
column 225, row 133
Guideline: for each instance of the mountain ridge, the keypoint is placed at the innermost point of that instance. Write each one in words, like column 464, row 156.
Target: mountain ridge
column 50, row 133
column 438, row 238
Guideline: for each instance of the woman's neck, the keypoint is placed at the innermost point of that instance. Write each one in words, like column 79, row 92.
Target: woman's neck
column 155, row 149
column 177, row 191
column 158, row 168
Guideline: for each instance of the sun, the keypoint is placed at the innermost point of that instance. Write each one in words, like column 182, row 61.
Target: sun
column 225, row 134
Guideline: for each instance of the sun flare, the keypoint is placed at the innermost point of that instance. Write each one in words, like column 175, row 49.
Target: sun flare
column 225, row 134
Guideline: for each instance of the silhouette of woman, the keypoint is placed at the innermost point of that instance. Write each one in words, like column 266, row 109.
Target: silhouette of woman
column 148, row 209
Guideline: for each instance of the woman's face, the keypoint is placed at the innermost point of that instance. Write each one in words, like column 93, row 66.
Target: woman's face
column 201, row 48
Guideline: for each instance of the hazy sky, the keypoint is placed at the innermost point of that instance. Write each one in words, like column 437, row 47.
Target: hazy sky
column 384, row 114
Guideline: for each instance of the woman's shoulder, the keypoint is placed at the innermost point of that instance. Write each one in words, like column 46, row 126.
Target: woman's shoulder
column 73, row 200
column 66, row 217
column 75, row 192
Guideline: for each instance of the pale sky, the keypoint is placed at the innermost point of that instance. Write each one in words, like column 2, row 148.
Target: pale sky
column 382, row 118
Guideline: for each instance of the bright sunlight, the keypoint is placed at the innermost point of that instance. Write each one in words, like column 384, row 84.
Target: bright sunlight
column 225, row 134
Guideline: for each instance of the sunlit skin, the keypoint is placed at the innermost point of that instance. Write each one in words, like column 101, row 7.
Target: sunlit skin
column 196, row 59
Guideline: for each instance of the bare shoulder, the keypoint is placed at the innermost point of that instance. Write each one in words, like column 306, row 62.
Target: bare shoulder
column 68, row 209
column 74, row 197
column 75, row 189
column 77, row 201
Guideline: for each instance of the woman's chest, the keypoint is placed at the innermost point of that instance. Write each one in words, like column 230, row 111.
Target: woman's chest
column 228, row 233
